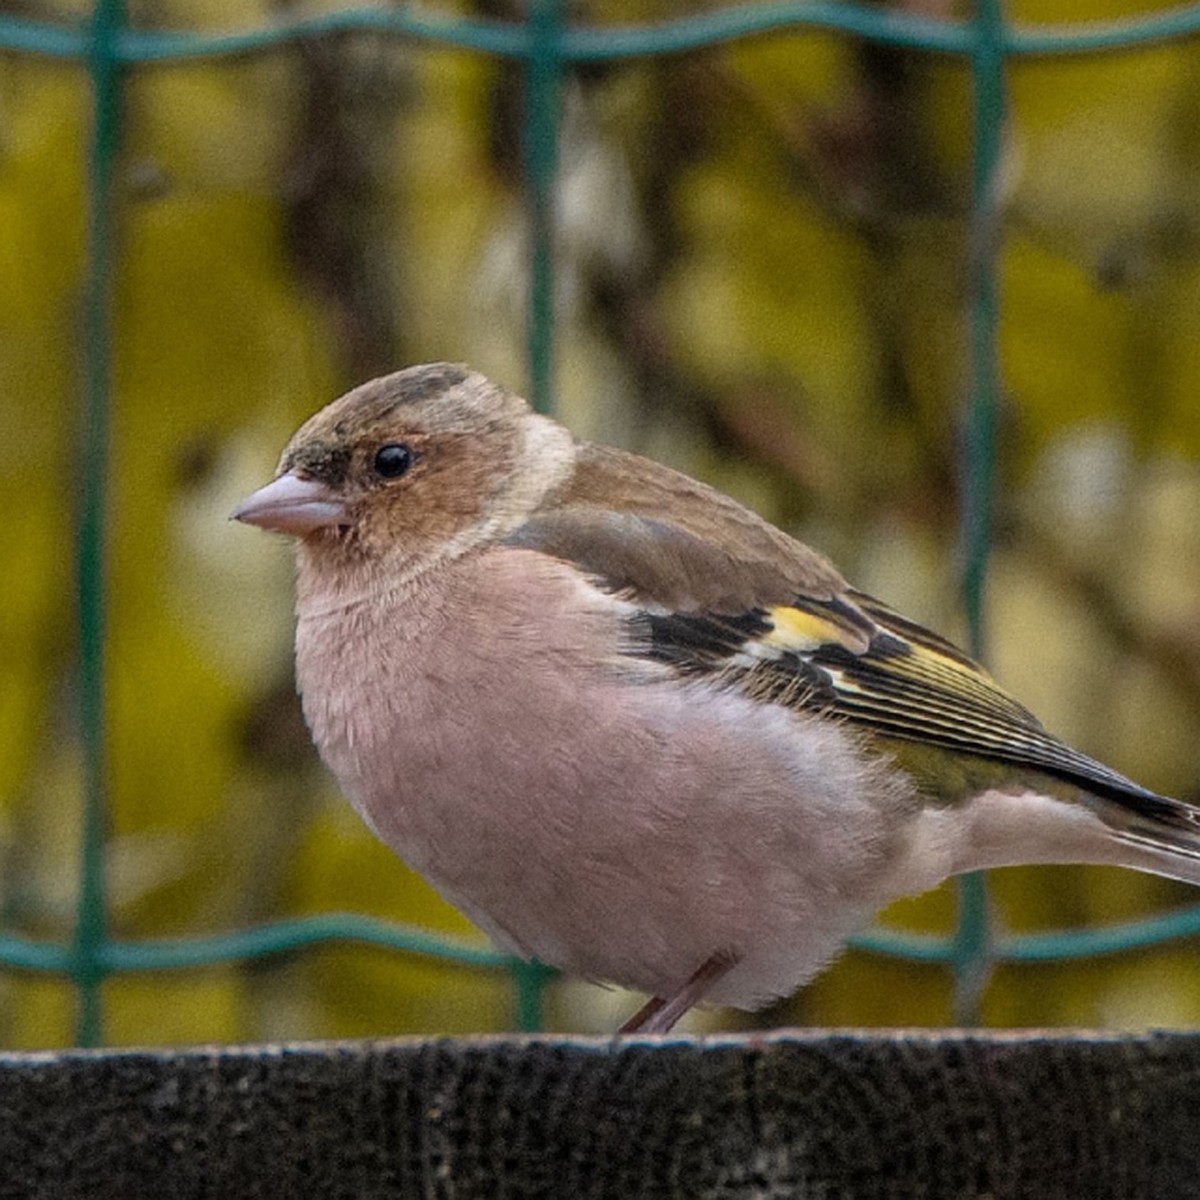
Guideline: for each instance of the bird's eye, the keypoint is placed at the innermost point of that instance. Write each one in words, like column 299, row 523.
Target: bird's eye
column 392, row 460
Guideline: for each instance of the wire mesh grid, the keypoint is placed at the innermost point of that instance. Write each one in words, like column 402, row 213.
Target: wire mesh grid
column 546, row 44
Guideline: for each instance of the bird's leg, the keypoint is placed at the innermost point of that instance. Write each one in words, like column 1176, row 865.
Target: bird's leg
column 659, row 1016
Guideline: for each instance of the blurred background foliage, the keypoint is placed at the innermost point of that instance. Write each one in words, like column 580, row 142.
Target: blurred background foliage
column 761, row 260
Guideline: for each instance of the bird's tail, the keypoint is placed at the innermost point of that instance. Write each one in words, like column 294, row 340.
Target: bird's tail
column 1159, row 834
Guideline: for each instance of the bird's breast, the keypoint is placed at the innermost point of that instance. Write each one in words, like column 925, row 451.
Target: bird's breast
column 452, row 709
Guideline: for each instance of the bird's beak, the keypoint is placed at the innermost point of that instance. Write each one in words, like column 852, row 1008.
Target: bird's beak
column 291, row 504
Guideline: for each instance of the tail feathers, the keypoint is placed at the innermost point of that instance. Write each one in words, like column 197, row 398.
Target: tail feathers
column 1163, row 837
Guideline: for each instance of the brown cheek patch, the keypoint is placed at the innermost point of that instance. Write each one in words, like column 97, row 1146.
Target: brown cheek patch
column 449, row 486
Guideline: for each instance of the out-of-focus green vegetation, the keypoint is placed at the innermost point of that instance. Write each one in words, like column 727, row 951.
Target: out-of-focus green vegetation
column 761, row 263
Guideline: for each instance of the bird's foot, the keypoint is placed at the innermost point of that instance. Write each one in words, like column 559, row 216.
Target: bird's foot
column 659, row 1016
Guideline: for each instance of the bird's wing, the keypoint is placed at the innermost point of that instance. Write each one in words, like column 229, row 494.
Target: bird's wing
column 899, row 680
column 725, row 596
column 906, row 683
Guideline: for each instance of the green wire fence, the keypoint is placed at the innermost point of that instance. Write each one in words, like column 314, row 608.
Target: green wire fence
column 546, row 45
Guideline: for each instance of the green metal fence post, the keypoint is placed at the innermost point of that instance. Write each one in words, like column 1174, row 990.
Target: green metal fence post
column 90, row 932
column 543, row 81
column 987, row 81
column 971, row 952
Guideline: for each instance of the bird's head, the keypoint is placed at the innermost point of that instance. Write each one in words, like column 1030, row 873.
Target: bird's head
column 427, row 461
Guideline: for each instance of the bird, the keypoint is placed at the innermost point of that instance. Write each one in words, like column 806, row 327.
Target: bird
column 630, row 728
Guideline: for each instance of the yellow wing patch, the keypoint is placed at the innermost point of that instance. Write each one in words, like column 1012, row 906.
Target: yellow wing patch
column 803, row 632
column 808, row 624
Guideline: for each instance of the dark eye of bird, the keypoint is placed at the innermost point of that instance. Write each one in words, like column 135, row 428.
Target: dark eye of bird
column 392, row 460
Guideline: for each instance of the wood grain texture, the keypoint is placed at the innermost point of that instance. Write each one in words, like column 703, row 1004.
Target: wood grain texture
column 860, row 1115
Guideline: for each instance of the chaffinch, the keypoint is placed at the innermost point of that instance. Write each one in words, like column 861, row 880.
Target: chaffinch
column 630, row 728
